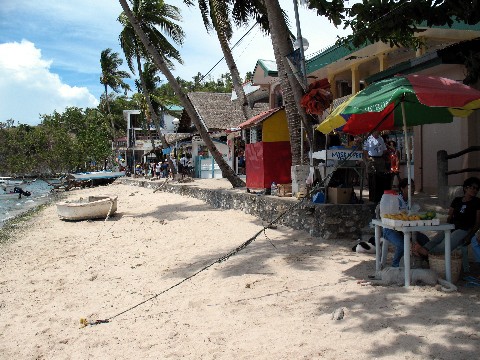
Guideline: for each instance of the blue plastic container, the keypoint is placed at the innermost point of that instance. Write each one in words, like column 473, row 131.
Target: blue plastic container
column 319, row 198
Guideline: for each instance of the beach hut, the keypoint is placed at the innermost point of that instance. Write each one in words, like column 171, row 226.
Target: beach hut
column 267, row 149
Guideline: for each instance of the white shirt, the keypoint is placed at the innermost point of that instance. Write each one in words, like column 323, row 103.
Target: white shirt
column 374, row 147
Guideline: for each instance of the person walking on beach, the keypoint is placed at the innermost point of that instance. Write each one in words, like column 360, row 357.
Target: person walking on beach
column 158, row 169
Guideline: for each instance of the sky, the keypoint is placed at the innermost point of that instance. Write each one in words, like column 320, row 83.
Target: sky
column 50, row 51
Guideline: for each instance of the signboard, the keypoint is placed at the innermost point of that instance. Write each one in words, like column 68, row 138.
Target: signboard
column 340, row 154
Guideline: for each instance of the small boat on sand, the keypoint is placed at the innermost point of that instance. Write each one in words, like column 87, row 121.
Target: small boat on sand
column 91, row 207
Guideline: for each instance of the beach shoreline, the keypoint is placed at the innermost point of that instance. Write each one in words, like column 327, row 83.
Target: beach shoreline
column 275, row 299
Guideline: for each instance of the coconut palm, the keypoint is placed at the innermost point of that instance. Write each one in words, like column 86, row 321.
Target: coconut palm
column 162, row 65
column 157, row 18
column 274, row 21
column 216, row 15
column 112, row 77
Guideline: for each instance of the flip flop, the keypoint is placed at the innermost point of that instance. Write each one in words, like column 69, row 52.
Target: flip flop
column 472, row 279
column 471, row 284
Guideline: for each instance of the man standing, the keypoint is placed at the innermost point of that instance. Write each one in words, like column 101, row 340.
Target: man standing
column 182, row 166
column 374, row 150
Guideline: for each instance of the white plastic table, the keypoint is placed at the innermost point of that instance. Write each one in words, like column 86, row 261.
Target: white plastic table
column 407, row 234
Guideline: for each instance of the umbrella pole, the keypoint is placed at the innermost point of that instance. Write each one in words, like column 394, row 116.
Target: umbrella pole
column 407, row 149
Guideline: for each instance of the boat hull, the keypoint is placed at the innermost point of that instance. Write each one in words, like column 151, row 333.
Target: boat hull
column 9, row 196
column 93, row 207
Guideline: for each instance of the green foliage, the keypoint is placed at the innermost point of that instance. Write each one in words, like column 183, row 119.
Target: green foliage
column 395, row 21
column 65, row 142
column 111, row 76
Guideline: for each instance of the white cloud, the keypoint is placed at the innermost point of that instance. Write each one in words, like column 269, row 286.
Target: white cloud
column 28, row 88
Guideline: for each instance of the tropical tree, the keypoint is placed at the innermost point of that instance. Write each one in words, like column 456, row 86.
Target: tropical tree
column 273, row 21
column 291, row 89
column 216, row 15
column 161, row 63
column 397, row 22
column 156, row 18
column 112, row 77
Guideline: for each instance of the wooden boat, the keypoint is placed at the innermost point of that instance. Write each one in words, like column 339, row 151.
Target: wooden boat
column 97, row 175
column 94, row 178
column 92, row 207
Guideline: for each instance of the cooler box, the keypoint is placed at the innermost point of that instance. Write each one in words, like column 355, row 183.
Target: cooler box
column 339, row 195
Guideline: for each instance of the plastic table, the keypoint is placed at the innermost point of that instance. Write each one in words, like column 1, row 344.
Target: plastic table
column 407, row 234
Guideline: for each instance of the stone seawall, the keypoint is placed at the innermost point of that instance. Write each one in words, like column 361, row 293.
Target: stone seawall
column 328, row 221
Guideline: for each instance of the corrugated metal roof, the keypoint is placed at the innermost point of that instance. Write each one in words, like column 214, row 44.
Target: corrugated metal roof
column 253, row 121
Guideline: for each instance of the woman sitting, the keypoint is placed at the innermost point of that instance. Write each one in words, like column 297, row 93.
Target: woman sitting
column 464, row 213
column 396, row 237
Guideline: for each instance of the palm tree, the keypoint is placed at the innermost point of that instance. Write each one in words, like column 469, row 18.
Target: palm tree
column 112, row 77
column 151, row 14
column 216, row 15
column 162, row 65
column 273, row 20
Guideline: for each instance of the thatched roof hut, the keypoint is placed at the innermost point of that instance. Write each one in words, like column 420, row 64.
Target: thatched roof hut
column 217, row 112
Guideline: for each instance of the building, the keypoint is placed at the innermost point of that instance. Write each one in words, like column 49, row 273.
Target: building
column 142, row 143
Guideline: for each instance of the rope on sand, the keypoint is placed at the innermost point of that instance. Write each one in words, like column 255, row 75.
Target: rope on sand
column 110, row 210
column 161, row 186
column 84, row 322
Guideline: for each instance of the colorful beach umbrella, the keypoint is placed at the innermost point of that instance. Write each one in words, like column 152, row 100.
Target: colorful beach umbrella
column 426, row 99
column 401, row 101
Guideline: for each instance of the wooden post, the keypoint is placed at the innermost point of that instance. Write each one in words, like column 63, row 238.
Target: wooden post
column 442, row 177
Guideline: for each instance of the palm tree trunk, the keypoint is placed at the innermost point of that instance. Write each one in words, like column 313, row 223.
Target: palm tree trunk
column 153, row 115
column 236, row 80
column 292, row 90
column 112, row 124
column 278, row 33
column 227, row 171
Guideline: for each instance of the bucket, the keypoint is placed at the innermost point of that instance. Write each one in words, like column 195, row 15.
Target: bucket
column 437, row 264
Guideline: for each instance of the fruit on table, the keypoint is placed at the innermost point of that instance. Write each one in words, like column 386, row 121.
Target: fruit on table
column 429, row 215
column 402, row 216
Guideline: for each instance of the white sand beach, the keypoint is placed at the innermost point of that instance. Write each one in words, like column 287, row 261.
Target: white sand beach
column 273, row 300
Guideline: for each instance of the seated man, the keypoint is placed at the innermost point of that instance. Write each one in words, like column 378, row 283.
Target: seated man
column 464, row 213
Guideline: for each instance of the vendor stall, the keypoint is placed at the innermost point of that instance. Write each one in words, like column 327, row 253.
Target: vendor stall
column 340, row 158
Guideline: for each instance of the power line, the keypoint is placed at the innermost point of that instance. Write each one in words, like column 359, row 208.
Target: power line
column 233, row 47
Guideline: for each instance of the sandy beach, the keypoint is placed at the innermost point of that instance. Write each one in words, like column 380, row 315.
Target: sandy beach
column 273, row 300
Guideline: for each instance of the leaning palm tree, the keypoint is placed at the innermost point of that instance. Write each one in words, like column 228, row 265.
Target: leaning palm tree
column 163, row 16
column 112, row 77
column 216, row 15
column 159, row 60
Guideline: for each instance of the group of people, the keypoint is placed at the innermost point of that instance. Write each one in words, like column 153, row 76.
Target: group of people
column 464, row 213
column 162, row 169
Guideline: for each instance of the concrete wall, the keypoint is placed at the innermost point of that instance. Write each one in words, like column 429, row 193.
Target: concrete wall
column 328, row 221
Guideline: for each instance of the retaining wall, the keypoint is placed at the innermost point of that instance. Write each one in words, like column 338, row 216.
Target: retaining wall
column 328, row 221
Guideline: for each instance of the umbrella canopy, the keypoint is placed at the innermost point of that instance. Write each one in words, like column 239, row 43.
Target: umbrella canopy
column 426, row 100
column 404, row 100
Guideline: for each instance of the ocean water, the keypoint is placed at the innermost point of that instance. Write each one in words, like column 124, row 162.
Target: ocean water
column 13, row 207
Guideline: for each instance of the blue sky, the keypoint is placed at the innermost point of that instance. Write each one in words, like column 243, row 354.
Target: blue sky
column 50, row 51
